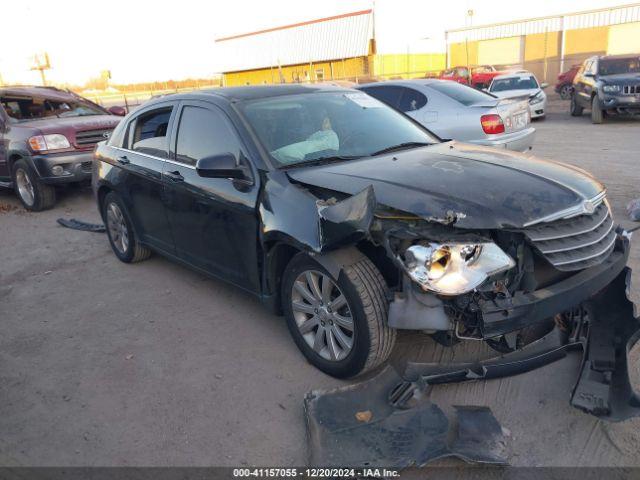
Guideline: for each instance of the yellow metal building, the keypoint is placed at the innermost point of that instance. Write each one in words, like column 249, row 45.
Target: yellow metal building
column 341, row 47
column 547, row 45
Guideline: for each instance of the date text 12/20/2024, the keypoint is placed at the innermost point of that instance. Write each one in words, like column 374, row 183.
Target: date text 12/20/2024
column 315, row 472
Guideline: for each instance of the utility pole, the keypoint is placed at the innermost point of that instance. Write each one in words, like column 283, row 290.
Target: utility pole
column 41, row 63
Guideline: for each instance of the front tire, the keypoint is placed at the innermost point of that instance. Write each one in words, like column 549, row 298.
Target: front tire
column 33, row 194
column 597, row 115
column 121, row 235
column 575, row 110
column 339, row 324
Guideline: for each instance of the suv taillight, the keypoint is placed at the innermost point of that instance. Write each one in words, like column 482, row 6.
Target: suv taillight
column 492, row 124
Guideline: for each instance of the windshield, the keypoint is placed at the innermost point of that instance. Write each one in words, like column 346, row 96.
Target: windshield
column 614, row 66
column 513, row 83
column 296, row 129
column 23, row 109
column 461, row 93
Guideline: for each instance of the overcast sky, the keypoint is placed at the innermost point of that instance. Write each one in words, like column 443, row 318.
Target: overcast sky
column 140, row 40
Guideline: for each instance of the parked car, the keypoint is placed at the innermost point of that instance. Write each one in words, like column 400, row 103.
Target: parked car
column 607, row 84
column 522, row 84
column 459, row 112
column 353, row 220
column 478, row 77
column 47, row 136
column 564, row 86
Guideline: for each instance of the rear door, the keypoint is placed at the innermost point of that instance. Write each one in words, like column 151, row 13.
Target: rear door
column 213, row 220
column 142, row 159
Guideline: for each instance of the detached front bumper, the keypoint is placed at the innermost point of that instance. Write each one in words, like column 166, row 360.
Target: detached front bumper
column 76, row 167
column 520, row 141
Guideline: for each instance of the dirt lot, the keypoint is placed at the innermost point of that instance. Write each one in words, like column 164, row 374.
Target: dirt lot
column 103, row 363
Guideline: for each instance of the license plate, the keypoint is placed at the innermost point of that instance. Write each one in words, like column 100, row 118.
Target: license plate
column 520, row 120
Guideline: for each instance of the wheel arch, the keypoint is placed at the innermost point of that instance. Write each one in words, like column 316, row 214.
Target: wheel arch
column 278, row 254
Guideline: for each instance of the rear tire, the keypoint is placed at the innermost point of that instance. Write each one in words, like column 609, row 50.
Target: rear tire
column 32, row 193
column 575, row 110
column 364, row 289
column 565, row 92
column 597, row 115
column 121, row 235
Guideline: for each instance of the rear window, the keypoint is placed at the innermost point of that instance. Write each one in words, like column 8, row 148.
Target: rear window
column 461, row 93
column 514, row 83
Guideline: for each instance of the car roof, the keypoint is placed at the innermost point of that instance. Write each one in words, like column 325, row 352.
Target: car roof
column 52, row 93
column 254, row 92
column 615, row 57
column 518, row 74
column 421, row 82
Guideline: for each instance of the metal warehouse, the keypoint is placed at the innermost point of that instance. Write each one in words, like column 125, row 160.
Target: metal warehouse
column 547, row 45
column 341, row 47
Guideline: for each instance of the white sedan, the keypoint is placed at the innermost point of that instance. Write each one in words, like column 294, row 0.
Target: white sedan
column 520, row 84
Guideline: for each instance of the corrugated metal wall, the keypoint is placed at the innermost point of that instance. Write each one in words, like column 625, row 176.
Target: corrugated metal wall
column 332, row 39
column 548, row 45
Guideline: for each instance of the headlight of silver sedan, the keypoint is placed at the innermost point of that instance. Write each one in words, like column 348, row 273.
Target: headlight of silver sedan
column 611, row 88
column 455, row 268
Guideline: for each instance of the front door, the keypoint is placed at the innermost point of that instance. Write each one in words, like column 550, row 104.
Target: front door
column 213, row 220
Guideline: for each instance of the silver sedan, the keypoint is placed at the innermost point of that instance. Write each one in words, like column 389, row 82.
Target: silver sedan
column 455, row 111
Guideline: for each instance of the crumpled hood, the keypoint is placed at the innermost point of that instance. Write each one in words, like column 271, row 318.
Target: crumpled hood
column 466, row 185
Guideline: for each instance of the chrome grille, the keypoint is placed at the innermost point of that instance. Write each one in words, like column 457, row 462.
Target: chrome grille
column 631, row 89
column 576, row 243
column 88, row 138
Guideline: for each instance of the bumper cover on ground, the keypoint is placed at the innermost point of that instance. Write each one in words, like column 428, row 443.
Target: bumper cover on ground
column 386, row 420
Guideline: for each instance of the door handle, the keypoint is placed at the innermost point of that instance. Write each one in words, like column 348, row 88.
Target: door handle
column 123, row 160
column 174, row 176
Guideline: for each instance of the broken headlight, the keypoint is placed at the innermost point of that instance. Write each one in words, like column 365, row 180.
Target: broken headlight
column 454, row 269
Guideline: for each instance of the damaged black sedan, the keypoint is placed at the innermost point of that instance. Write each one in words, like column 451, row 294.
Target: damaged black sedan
column 354, row 221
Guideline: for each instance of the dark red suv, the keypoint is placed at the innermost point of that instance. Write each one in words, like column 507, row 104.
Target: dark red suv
column 47, row 136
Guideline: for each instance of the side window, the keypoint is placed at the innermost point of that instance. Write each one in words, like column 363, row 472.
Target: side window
column 411, row 100
column 148, row 133
column 390, row 95
column 593, row 68
column 204, row 133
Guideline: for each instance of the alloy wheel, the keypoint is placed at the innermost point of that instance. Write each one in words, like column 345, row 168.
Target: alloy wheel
column 323, row 315
column 117, row 228
column 25, row 187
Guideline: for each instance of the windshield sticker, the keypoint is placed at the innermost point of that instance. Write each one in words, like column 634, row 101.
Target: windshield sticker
column 364, row 100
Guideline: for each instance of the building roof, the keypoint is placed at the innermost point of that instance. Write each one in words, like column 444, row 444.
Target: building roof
column 553, row 23
column 330, row 38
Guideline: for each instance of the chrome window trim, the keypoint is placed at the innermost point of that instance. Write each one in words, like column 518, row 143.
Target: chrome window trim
column 154, row 157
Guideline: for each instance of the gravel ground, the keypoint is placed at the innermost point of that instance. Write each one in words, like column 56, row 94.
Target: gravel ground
column 103, row 363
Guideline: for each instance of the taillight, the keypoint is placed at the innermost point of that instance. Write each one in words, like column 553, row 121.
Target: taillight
column 492, row 124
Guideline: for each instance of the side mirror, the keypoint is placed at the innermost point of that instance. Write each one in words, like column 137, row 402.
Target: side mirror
column 224, row 165
column 118, row 111
column 544, row 85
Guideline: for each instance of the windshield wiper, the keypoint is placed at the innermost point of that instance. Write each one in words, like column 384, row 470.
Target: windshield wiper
column 401, row 146
column 322, row 160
